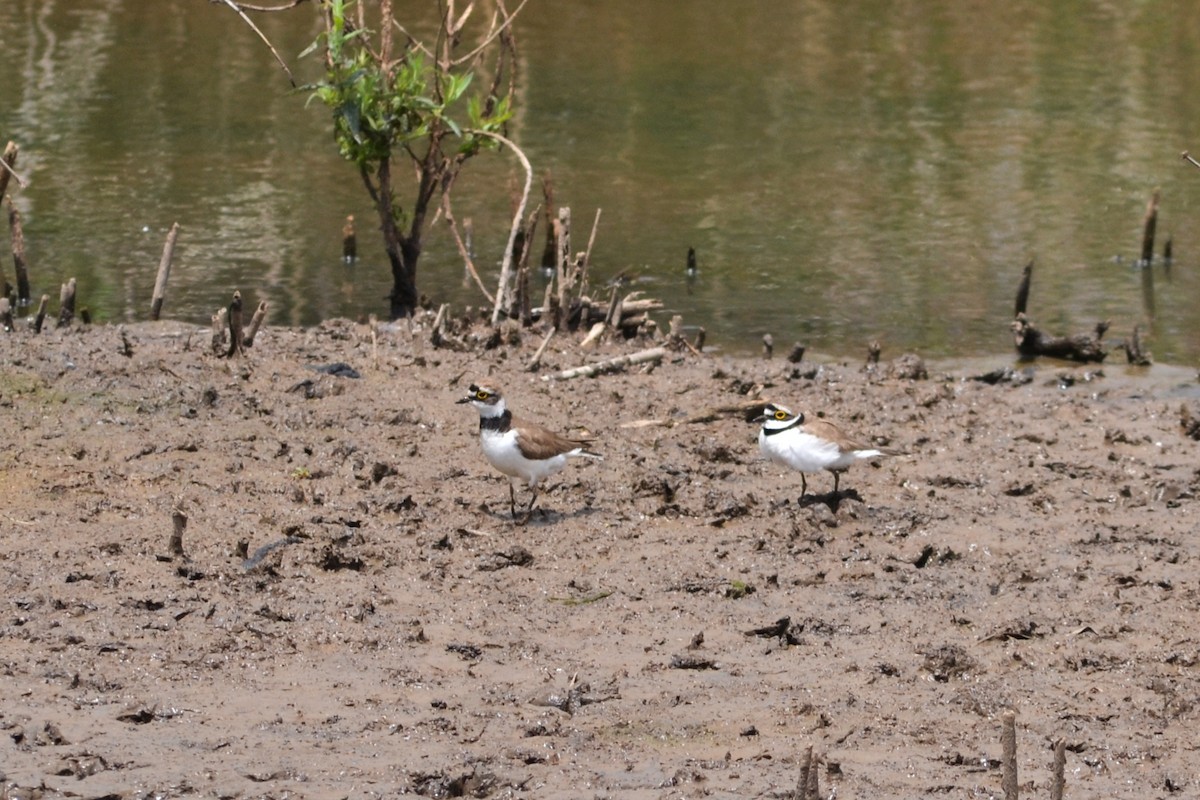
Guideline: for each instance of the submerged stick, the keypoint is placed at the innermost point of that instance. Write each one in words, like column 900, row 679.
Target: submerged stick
column 1023, row 290
column 611, row 365
column 349, row 240
column 1008, row 758
column 1149, row 223
column 164, row 272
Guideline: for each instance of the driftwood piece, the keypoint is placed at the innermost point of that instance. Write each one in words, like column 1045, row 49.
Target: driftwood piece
column 1032, row 342
column 654, row 354
column 1085, row 347
column 1135, row 353
column 164, row 272
column 237, row 333
column 593, row 336
column 260, row 316
column 66, row 303
column 768, row 343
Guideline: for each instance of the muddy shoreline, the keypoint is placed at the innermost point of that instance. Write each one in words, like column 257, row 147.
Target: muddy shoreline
column 674, row 623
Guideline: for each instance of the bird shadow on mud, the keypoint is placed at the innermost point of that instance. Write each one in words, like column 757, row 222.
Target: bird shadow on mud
column 831, row 499
column 539, row 515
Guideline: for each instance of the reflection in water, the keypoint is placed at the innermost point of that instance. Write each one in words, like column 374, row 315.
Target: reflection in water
column 845, row 171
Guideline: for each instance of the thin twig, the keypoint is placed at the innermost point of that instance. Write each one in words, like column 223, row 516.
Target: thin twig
column 262, row 36
column 536, row 361
column 11, row 151
column 463, row 250
column 587, row 255
column 1188, row 157
column 496, row 31
column 249, row 7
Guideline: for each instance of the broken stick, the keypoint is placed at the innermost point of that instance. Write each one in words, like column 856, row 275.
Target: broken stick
column 536, row 361
column 260, row 314
column 66, row 301
column 175, row 543
column 237, row 336
column 1008, row 758
column 164, row 272
column 18, row 254
column 611, row 365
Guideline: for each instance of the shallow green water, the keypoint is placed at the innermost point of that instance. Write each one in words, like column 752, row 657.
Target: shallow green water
column 846, row 171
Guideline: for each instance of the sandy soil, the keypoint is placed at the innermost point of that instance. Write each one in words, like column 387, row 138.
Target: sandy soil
column 357, row 616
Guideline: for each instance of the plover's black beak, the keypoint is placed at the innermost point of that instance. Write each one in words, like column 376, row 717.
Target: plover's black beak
column 462, row 400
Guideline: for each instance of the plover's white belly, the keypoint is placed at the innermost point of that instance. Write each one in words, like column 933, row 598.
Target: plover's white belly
column 804, row 452
column 502, row 452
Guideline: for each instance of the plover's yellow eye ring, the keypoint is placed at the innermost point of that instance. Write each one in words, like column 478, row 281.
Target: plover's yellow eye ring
column 781, row 415
column 481, row 395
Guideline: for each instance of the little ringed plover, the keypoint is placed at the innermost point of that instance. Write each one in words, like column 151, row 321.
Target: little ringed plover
column 520, row 449
column 786, row 438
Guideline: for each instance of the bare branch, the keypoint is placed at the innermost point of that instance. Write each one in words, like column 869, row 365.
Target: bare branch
column 496, row 31
column 262, row 36
column 506, row 265
column 462, row 247
column 249, row 7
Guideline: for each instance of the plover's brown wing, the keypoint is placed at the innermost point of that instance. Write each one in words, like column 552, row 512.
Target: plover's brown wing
column 846, row 444
column 536, row 442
